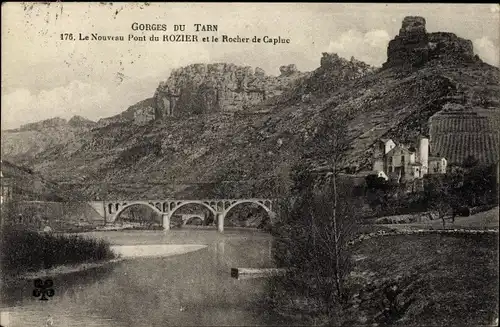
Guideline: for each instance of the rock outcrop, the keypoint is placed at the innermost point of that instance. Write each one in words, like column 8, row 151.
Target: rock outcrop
column 31, row 139
column 413, row 46
column 333, row 72
column 206, row 88
column 81, row 122
column 140, row 113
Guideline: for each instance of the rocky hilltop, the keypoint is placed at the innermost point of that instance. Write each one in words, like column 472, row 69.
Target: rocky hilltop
column 140, row 113
column 413, row 46
column 58, row 123
column 333, row 72
column 221, row 87
column 240, row 155
column 81, row 122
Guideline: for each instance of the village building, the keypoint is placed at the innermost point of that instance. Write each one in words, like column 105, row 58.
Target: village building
column 400, row 163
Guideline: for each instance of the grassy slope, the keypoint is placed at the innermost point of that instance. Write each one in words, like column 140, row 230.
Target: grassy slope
column 454, row 280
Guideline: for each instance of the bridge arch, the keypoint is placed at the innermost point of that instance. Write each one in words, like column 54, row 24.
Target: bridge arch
column 184, row 203
column 137, row 203
column 192, row 218
column 261, row 203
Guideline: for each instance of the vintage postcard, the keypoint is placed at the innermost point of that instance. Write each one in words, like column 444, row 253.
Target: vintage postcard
column 249, row 164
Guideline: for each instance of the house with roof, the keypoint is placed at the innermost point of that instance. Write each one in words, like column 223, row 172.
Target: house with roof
column 400, row 162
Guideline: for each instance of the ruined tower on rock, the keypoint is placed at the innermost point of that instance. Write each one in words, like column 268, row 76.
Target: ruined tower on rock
column 413, row 46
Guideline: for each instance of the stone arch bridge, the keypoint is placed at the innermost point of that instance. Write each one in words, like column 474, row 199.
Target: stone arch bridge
column 110, row 210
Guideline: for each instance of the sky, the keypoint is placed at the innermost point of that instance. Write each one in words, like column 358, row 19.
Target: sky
column 44, row 76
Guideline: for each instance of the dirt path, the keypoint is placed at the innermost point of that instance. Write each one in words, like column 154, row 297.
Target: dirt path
column 486, row 219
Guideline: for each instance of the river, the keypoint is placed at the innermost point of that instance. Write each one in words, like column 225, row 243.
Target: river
column 191, row 289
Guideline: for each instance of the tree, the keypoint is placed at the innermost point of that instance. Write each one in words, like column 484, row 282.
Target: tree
column 480, row 185
column 317, row 219
column 441, row 195
column 470, row 162
column 330, row 143
column 308, row 242
column 333, row 226
column 378, row 193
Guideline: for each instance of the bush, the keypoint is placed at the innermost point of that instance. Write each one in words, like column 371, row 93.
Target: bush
column 463, row 212
column 27, row 251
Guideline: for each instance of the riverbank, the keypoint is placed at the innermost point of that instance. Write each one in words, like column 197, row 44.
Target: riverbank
column 61, row 270
column 122, row 252
column 154, row 250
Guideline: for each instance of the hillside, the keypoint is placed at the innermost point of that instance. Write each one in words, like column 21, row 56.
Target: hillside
column 23, row 144
column 28, row 185
column 201, row 152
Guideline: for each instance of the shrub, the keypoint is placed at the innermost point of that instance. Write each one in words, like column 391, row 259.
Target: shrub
column 24, row 251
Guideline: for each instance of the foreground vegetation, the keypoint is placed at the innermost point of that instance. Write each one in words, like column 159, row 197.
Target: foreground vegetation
column 392, row 280
column 26, row 251
column 439, row 280
column 403, row 280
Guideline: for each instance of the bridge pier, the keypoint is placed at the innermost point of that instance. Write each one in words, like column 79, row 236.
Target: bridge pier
column 220, row 222
column 166, row 221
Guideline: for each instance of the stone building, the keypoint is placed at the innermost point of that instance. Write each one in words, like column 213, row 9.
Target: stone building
column 406, row 163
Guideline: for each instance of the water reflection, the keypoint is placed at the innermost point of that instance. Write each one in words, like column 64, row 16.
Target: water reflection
column 189, row 289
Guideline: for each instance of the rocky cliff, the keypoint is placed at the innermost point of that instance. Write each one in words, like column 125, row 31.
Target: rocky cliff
column 202, row 88
column 413, row 46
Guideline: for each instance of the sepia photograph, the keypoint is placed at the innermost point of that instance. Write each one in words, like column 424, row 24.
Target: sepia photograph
column 249, row 164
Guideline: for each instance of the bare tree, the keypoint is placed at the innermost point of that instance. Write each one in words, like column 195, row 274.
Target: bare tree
column 317, row 220
column 330, row 143
column 333, row 226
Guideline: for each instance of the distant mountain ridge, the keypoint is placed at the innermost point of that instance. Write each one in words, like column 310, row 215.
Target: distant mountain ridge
column 21, row 145
column 28, row 185
column 56, row 122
